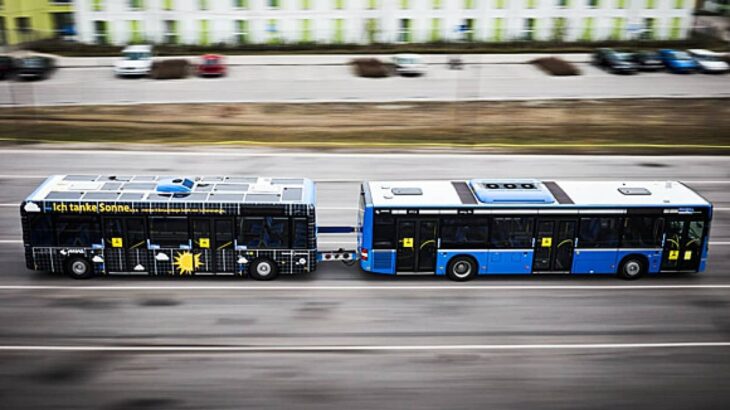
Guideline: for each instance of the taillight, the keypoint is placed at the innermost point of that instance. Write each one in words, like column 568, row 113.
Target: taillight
column 364, row 254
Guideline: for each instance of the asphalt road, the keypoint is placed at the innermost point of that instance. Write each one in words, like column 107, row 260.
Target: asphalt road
column 319, row 83
column 340, row 338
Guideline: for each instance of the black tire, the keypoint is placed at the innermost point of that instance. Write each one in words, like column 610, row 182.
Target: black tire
column 263, row 269
column 462, row 269
column 632, row 268
column 79, row 268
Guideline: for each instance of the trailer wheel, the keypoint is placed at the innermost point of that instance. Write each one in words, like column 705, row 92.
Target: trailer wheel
column 79, row 268
column 263, row 269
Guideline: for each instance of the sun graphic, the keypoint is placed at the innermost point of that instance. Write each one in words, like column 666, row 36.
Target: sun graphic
column 186, row 262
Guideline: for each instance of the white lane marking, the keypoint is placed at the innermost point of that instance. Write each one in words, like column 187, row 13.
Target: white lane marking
column 351, row 348
column 394, row 287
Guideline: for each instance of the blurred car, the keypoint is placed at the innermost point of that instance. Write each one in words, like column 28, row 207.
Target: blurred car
column 709, row 61
column 617, row 63
column 135, row 61
column 7, row 67
column 409, row 64
column 647, row 61
column 212, row 65
column 34, row 67
column 678, row 61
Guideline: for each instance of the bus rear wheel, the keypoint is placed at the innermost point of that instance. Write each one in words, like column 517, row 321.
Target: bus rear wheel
column 263, row 269
column 461, row 269
column 632, row 268
column 79, row 268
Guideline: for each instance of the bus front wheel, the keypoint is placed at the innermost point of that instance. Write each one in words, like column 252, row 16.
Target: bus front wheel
column 632, row 268
column 263, row 269
column 79, row 268
column 461, row 269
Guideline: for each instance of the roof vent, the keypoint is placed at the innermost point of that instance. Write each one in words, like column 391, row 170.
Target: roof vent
column 634, row 191
column 175, row 185
column 507, row 192
column 406, row 191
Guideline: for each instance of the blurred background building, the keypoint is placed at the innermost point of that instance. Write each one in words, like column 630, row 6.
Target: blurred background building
column 28, row 20
column 206, row 22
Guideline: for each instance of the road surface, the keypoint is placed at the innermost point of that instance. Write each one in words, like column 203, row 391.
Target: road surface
column 340, row 338
column 329, row 83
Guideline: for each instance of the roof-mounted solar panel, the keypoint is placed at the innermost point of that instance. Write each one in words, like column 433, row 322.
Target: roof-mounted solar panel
column 101, row 196
column 232, row 187
column 57, row 195
column 262, row 198
column 80, row 178
column 291, row 194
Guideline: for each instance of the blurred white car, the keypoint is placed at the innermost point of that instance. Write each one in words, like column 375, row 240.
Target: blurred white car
column 409, row 64
column 135, row 61
column 709, row 61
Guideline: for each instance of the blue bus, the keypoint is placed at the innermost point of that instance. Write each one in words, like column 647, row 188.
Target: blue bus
column 466, row 228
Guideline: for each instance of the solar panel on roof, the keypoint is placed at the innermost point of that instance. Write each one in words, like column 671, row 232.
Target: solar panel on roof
column 142, row 178
column 101, row 196
column 111, row 186
column 158, row 197
column 262, row 198
column 64, row 195
column 241, row 179
column 291, row 194
column 232, row 187
column 212, row 179
column 199, row 197
column 203, row 188
column 117, row 178
column 226, row 198
column 139, row 186
column 80, row 178
column 131, row 196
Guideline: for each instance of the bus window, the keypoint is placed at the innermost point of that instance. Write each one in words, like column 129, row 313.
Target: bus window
column 223, row 233
column 512, row 232
column 136, row 234
column 300, row 233
column 169, row 232
column 464, row 233
column 265, row 232
column 642, row 232
column 41, row 230
column 384, row 232
column 201, row 230
column 77, row 231
column 599, row 232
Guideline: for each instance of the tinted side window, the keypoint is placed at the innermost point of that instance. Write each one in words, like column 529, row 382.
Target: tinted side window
column 223, row 234
column 384, row 232
column 169, row 232
column 642, row 232
column 265, row 232
column 600, row 232
column 77, row 231
column 136, row 233
column 300, row 233
column 464, row 233
column 41, row 230
column 512, row 232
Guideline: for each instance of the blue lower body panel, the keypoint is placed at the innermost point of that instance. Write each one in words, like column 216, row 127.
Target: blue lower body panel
column 592, row 261
column 380, row 261
column 512, row 261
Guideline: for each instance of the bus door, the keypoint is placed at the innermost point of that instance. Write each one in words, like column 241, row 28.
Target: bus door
column 125, row 241
column 554, row 245
column 416, row 250
column 684, row 235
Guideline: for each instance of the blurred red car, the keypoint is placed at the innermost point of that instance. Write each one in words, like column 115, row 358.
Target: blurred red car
column 211, row 65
